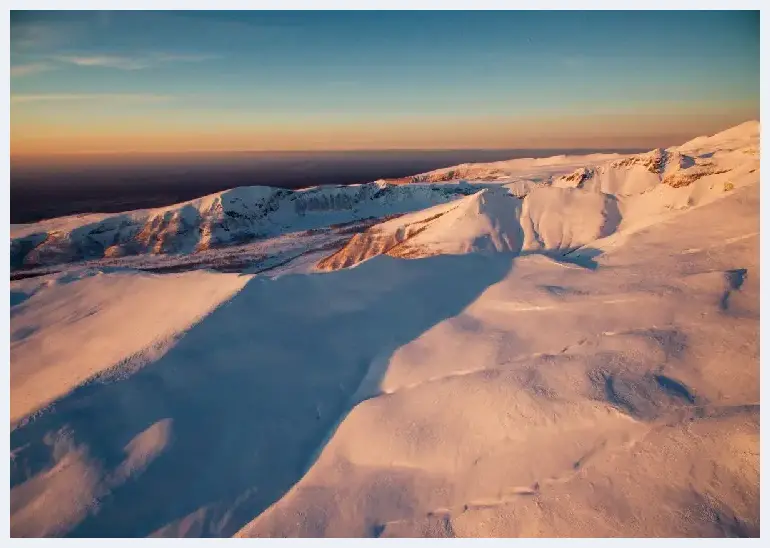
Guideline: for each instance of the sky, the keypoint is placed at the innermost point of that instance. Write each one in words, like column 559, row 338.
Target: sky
column 180, row 82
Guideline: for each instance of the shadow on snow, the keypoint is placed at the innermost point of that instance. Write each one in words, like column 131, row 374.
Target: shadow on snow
column 251, row 392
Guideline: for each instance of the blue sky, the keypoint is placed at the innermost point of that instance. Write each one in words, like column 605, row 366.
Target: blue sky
column 269, row 80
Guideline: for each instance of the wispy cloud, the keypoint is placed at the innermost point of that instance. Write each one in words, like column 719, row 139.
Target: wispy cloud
column 28, row 69
column 109, row 61
column 132, row 62
column 113, row 97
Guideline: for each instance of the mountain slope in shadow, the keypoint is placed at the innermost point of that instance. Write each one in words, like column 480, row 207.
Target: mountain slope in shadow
column 205, row 438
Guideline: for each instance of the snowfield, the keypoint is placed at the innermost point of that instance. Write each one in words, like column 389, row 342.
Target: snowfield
column 541, row 347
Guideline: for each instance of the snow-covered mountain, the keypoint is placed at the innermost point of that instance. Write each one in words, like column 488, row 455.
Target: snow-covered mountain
column 560, row 213
column 257, row 213
column 545, row 347
column 225, row 218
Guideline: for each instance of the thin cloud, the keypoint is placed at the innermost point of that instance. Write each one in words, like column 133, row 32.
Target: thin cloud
column 138, row 62
column 115, row 97
column 108, row 61
column 28, row 69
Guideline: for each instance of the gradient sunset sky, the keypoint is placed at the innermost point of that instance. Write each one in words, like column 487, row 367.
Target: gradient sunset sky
column 188, row 81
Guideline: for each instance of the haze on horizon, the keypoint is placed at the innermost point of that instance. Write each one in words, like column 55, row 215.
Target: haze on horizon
column 177, row 82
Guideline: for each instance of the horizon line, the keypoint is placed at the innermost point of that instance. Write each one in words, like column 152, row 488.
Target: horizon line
column 319, row 151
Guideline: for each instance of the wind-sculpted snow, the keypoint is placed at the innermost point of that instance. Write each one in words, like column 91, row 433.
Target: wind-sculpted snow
column 553, row 353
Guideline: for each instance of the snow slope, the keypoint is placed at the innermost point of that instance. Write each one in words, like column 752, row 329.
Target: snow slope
column 484, row 221
column 571, row 360
column 89, row 307
column 492, row 220
column 509, row 171
column 564, row 402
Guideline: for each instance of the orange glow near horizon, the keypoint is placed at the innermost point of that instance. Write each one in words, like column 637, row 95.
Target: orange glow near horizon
column 639, row 130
